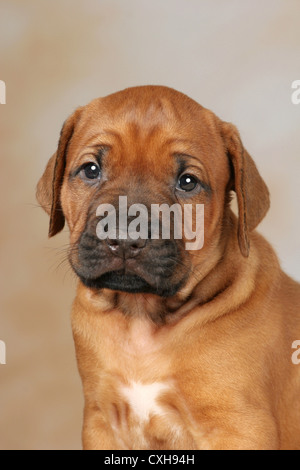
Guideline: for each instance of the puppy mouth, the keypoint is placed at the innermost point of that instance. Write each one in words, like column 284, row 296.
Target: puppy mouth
column 130, row 283
column 119, row 280
column 154, row 269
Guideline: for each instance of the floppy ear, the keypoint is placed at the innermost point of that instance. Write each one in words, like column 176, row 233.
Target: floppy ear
column 251, row 190
column 49, row 186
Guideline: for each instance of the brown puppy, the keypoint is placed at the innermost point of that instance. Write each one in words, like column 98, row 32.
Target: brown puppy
column 177, row 348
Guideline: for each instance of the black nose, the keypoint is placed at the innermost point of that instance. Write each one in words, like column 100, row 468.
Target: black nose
column 127, row 248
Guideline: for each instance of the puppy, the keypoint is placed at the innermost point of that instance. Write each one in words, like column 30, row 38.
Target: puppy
column 177, row 348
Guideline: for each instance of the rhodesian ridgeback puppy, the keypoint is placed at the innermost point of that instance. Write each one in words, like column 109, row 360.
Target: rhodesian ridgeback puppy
column 177, row 348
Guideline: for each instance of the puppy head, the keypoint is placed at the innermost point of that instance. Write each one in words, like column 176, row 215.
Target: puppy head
column 148, row 146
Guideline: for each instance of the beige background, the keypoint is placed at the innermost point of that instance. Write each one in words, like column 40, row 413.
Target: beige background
column 238, row 58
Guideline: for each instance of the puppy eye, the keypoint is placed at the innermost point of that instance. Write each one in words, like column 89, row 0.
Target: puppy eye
column 187, row 183
column 91, row 171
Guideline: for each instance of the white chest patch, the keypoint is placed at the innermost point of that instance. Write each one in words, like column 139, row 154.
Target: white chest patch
column 143, row 399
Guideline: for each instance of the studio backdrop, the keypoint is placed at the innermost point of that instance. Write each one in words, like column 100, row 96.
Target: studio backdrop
column 237, row 58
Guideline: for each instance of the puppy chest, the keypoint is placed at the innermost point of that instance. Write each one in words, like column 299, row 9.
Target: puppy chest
column 149, row 416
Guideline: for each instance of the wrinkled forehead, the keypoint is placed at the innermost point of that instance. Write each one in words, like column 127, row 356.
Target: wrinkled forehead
column 144, row 127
